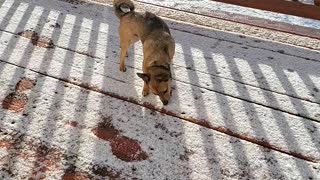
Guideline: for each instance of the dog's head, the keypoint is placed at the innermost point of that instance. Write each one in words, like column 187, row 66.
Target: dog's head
column 158, row 78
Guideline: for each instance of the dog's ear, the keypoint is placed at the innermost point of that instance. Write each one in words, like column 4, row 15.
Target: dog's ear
column 145, row 77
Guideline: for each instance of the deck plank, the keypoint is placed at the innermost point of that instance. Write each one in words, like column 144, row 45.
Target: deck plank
column 247, row 99
column 60, row 117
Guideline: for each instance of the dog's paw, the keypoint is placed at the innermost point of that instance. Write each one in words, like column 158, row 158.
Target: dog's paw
column 123, row 68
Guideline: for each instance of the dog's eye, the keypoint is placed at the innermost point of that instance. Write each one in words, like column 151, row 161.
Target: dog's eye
column 165, row 91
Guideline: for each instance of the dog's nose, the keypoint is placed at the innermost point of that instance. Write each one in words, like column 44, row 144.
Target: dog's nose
column 165, row 102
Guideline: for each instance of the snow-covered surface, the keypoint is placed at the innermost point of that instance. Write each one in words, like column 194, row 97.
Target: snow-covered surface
column 208, row 6
column 265, row 94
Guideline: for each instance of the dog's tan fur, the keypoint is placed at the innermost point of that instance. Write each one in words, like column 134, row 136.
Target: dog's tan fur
column 158, row 47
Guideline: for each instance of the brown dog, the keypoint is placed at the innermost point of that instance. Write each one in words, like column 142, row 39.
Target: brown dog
column 158, row 47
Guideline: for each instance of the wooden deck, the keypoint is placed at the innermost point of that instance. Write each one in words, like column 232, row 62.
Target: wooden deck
column 242, row 108
column 295, row 8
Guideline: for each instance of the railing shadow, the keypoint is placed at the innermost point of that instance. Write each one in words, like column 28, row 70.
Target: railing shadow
column 212, row 161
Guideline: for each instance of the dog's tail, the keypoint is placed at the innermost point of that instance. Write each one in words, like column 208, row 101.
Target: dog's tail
column 123, row 7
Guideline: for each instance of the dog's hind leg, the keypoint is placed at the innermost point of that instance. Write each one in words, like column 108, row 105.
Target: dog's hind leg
column 124, row 45
column 132, row 41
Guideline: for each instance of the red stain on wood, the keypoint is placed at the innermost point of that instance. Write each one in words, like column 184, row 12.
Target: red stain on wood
column 122, row 147
column 127, row 149
column 44, row 159
column 76, row 175
column 15, row 102
column 49, row 156
column 5, row 144
column 24, row 84
column 73, row 123
column 105, row 130
column 37, row 40
column 106, row 172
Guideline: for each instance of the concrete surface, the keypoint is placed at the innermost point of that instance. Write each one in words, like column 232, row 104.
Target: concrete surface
column 242, row 108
